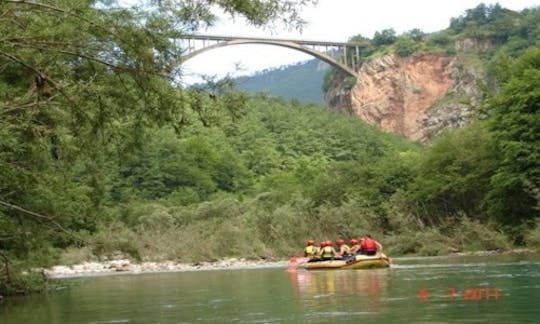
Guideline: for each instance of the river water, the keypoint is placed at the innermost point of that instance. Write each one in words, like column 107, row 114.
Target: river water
column 494, row 289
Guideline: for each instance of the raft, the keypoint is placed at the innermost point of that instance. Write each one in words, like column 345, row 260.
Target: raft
column 357, row 262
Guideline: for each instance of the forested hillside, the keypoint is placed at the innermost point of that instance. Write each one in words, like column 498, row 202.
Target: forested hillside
column 302, row 81
column 103, row 155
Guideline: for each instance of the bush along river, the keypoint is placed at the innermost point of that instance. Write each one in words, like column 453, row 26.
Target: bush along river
column 494, row 289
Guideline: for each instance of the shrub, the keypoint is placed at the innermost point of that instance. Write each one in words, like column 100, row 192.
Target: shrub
column 349, row 83
column 396, row 245
column 405, row 46
column 117, row 240
column 75, row 255
column 157, row 220
column 474, row 236
column 439, row 39
column 22, row 282
column 532, row 237
column 432, row 242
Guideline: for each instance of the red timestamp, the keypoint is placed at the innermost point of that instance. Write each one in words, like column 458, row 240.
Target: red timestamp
column 466, row 294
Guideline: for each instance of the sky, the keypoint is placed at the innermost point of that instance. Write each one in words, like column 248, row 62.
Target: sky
column 329, row 20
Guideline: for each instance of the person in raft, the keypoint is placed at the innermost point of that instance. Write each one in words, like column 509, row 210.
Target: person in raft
column 327, row 251
column 310, row 250
column 344, row 249
column 355, row 247
column 361, row 241
column 369, row 246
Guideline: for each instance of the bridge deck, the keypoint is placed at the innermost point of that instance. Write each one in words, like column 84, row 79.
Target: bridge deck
column 262, row 39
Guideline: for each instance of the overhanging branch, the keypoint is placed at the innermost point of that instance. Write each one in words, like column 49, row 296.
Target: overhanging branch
column 40, row 216
column 38, row 72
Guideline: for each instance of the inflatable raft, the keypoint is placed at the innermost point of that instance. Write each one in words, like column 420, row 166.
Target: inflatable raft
column 356, row 262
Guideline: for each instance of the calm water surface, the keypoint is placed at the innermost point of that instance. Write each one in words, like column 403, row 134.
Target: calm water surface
column 495, row 289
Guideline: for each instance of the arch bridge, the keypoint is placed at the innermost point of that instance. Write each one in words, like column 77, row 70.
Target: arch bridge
column 342, row 55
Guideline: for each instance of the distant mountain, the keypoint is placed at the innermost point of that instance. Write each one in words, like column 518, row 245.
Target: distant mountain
column 302, row 81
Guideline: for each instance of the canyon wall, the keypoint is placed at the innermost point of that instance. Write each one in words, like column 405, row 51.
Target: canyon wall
column 416, row 96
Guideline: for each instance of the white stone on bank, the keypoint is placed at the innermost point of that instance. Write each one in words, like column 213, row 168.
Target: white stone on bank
column 125, row 266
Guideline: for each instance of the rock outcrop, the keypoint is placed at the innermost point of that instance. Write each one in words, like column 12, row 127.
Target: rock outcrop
column 416, row 96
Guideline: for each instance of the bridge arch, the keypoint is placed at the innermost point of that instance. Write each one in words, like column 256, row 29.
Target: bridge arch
column 283, row 43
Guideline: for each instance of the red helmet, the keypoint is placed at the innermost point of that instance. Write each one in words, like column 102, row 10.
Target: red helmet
column 329, row 243
column 323, row 244
column 310, row 242
column 354, row 242
column 340, row 242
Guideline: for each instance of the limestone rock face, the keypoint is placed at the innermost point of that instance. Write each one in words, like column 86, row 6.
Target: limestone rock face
column 396, row 92
column 416, row 96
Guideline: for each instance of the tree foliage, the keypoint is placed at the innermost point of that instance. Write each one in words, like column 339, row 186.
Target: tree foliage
column 384, row 37
column 515, row 122
column 453, row 176
column 82, row 84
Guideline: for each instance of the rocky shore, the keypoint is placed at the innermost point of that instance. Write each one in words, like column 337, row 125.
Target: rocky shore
column 125, row 266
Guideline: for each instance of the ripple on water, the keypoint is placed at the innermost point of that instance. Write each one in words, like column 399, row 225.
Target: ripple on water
column 334, row 314
column 264, row 320
column 392, row 299
column 501, row 275
column 464, row 265
column 322, row 296
column 438, row 265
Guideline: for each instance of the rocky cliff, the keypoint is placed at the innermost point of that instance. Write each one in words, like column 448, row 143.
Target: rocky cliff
column 416, row 96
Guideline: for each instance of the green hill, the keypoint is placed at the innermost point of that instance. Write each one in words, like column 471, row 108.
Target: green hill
column 302, row 81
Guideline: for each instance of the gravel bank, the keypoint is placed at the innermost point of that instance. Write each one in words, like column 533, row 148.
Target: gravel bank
column 127, row 267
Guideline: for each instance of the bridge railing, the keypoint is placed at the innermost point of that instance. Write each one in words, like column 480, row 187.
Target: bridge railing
column 345, row 55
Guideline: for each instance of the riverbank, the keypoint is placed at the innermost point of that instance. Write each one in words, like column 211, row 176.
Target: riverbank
column 125, row 266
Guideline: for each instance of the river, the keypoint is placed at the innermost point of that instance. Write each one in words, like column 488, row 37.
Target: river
column 494, row 289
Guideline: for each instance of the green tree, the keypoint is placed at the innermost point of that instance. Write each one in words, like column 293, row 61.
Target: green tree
column 405, row 46
column 515, row 122
column 416, row 34
column 83, row 81
column 453, row 176
column 384, row 37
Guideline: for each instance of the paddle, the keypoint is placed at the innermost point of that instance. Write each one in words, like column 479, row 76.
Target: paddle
column 295, row 261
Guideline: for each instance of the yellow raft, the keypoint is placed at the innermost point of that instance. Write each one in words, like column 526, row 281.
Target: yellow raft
column 356, row 262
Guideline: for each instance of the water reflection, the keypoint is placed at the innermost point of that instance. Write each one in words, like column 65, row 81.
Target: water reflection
column 364, row 290
column 431, row 290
